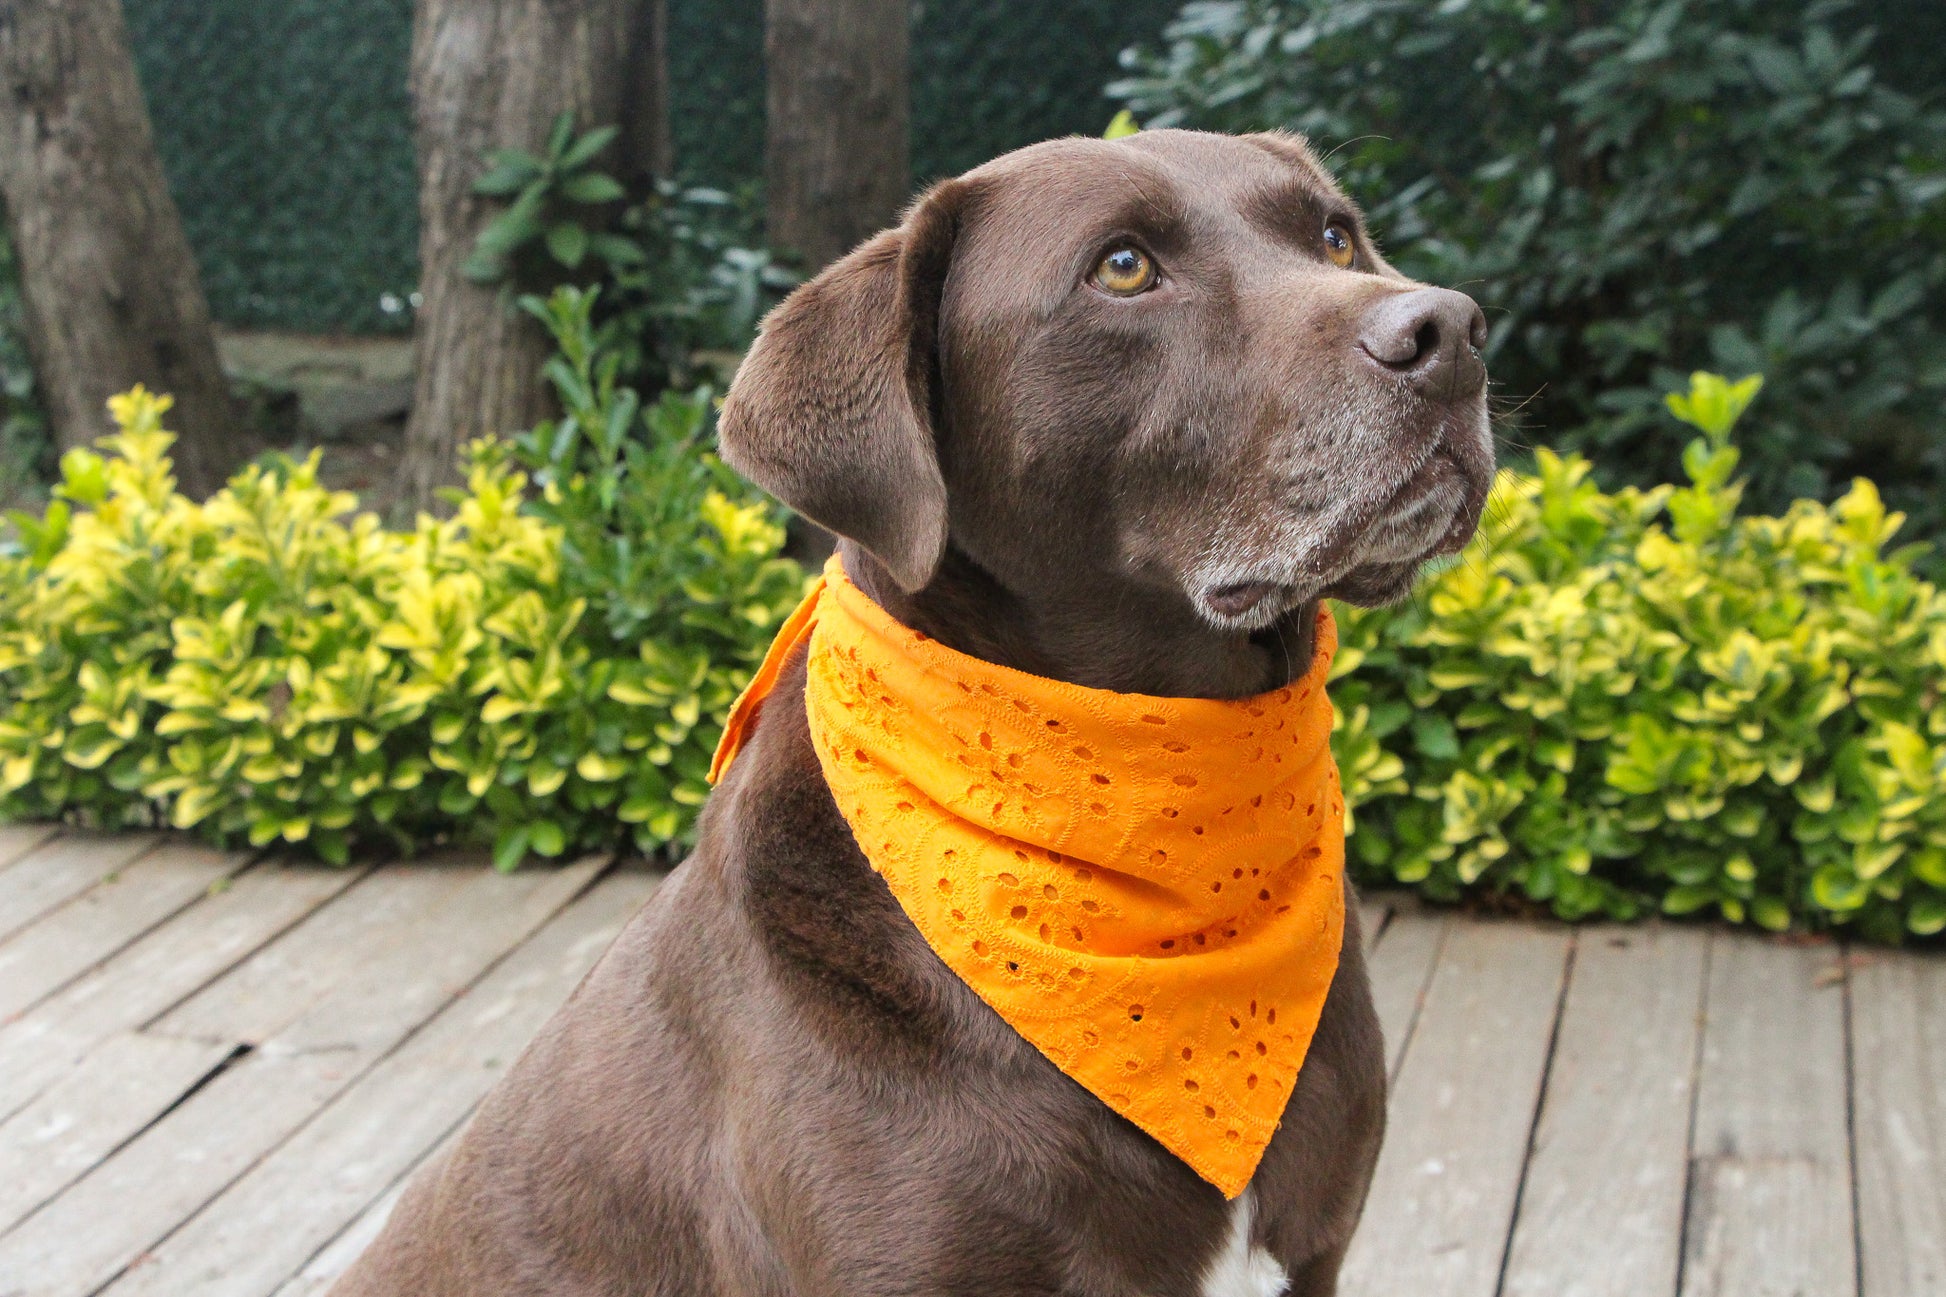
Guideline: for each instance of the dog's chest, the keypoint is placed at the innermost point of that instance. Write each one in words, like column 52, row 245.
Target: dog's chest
column 1242, row 1269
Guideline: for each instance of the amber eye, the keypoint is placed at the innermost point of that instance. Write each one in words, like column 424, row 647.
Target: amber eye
column 1126, row 272
column 1338, row 246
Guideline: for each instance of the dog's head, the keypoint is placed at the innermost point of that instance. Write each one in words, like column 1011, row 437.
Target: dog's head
column 1169, row 371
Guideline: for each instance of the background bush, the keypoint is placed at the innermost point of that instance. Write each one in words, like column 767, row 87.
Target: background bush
column 1628, row 181
column 682, row 275
column 1640, row 700
column 544, row 674
column 1611, row 703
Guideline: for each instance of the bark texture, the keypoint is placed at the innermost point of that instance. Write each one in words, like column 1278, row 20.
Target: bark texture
column 836, row 132
column 494, row 74
column 108, row 284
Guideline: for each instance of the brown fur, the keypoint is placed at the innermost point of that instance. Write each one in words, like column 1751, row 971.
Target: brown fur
column 771, row 1085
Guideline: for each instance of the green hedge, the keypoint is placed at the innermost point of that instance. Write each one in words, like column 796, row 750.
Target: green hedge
column 1610, row 704
column 1619, row 702
column 272, row 666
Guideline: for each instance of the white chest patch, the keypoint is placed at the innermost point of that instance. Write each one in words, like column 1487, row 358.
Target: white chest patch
column 1241, row 1270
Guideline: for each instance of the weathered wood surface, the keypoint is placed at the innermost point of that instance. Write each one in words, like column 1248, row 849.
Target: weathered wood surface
column 1611, row 1151
column 1770, row 1197
column 1442, row 1200
column 1898, row 1029
column 222, row 1077
column 60, row 869
column 270, row 1222
column 103, row 919
column 171, row 962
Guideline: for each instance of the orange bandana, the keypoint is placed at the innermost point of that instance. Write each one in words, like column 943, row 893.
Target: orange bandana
column 1149, row 890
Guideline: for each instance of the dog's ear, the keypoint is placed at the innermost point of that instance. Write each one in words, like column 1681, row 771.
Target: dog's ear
column 832, row 410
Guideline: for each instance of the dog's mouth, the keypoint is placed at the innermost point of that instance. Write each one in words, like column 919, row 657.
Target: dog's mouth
column 1432, row 514
column 1376, row 559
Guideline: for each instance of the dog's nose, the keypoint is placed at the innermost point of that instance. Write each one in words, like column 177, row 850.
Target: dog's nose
column 1431, row 337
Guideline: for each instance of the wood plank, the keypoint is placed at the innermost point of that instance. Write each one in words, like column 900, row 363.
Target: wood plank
column 115, row 911
column 1442, row 1199
column 332, row 1260
column 1601, row 1211
column 1770, row 1207
column 399, row 926
column 1898, row 1032
column 130, row 1081
column 1372, row 913
column 90, row 1233
column 264, row 1228
column 1401, row 967
column 365, row 1004
column 47, row 1043
column 61, row 869
column 324, row 1269
column 16, row 840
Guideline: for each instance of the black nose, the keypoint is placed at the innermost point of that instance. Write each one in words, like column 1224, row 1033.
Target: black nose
column 1431, row 338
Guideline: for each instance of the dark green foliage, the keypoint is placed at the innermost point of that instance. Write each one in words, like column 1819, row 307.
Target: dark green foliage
column 286, row 134
column 985, row 78
column 991, row 77
column 716, row 90
column 682, row 279
column 555, row 199
column 1623, row 183
column 24, row 448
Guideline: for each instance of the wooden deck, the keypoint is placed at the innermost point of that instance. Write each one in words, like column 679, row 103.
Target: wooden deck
column 216, row 1071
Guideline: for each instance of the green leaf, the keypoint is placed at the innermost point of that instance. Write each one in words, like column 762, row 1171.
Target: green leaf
column 585, row 149
column 1927, row 916
column 592, row 187
column 510, row 847
column 508, row 172
column 1121, row 126
column 547, row 838
column 567, row 242
column 559, row 136
column 1713, row 404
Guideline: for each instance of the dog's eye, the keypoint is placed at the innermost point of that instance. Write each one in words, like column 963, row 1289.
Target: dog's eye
column 1126, row 272
column 1338, row 246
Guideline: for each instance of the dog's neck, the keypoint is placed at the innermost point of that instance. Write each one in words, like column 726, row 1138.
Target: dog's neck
column 1103, row 637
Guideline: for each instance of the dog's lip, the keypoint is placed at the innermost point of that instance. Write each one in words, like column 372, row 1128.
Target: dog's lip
column 1239, row 598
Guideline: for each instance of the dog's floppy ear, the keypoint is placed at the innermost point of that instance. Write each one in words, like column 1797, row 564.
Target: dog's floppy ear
column 831, row 411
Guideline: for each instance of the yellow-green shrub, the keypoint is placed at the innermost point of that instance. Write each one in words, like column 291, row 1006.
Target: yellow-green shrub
column 1641, row 699
column 272, row 666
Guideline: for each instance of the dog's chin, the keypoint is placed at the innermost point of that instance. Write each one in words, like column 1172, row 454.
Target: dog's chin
column 1370, row 585
column 1433, row 513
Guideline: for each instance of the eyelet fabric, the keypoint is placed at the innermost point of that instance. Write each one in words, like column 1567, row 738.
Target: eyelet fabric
column 1149, row 890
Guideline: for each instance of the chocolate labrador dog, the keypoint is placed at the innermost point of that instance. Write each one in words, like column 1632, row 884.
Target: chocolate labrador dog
column 1116, row 413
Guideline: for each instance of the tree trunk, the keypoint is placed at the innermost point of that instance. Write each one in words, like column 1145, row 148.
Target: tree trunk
column 108, row 283
column 494, row 74
column 837, row 109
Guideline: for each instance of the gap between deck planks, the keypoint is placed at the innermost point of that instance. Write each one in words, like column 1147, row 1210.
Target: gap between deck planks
column 106, row 917
column 318, row 1033
column 51, row 1041
column 1561, row 1123
column 269, row 1223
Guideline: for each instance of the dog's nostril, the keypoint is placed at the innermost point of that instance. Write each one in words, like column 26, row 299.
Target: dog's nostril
column 1425, row 342
column 1424, row 333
